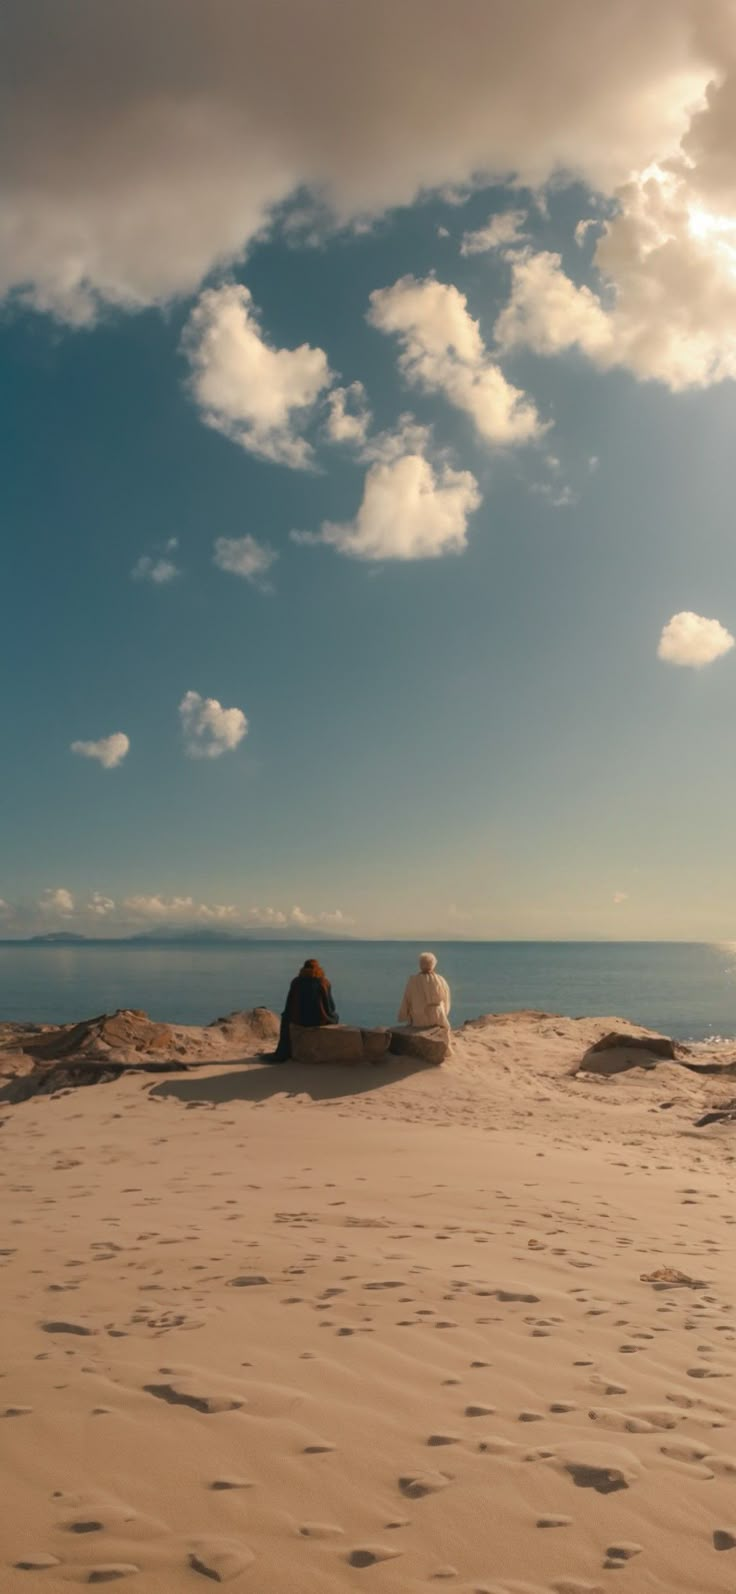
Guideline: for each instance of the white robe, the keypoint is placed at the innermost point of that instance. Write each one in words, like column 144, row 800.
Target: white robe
column 426, row 1001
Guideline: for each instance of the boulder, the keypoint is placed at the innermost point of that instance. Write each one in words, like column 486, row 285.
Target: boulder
column 253, row 1023
column 658, row 1045
column 338, row 1043
column 431, row 1045
column 617, row 1052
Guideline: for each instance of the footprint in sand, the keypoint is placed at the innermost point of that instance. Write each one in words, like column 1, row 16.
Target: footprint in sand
column 230, row 1483
column 320, row 1530
column 111, row 1572
column 371, row 1554
column 423, row 1483
column 220, row 1559
column 176, row 1395
column 618, row 1554
column 67, row 1328
column 36, row 1563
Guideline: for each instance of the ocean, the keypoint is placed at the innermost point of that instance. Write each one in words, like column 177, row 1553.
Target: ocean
column 687, row 990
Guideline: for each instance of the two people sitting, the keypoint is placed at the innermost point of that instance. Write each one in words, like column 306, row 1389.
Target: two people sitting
column 310, row 1003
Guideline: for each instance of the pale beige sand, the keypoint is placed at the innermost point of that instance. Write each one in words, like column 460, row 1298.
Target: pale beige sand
column 381, row 1329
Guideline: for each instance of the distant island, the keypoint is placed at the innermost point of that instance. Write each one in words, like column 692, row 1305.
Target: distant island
column 173, row 936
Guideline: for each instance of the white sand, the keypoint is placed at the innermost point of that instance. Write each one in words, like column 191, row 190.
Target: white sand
column 322, row 1330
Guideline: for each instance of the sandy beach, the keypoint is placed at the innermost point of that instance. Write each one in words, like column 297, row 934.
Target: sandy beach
column 389, row 1328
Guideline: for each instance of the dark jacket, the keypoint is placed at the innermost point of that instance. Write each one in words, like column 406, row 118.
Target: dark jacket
column 309, row 1003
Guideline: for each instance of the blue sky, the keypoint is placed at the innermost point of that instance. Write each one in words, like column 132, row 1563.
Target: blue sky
column 503, row 709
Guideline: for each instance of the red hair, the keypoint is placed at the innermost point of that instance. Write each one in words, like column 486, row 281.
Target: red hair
column 312, row 969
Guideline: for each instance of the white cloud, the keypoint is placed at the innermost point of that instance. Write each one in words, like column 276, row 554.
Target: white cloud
column 156, row 569
column 209, row 729
column 4, row 906
column 178, row 910
column 244, row 556
column 548, row 313
column 276, row 918
column 255, row 394
column 499, row 232
column 411, row 509
column 57, row 901
column 582, row 228
column 100, row 905
column 690, row 639
column 619, row 897
column 443, row 352
column 666, row 309
column 109, row 751
column 349, row 417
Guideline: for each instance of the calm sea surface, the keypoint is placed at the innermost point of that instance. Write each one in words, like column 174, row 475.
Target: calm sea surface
column 686, row 990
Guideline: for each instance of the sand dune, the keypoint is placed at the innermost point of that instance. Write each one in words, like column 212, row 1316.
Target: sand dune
column 392, row 1329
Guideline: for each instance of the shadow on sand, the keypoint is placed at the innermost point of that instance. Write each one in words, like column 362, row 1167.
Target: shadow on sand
column 252, row 1080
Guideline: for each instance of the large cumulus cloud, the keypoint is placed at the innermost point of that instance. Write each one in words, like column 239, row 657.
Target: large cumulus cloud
column 144, row 145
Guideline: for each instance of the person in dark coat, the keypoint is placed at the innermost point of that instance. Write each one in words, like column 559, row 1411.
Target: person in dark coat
column 309, row 1003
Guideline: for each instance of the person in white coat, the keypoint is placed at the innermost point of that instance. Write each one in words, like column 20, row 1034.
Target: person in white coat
column 426, row 999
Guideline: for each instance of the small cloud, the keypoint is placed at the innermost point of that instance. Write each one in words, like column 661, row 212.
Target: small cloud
column 443, row 232
column 58, row 901
column 583, row 228
column 349, row 416
column 442, row 351
column 593, row 463
column 253, row 393
column 109, row 751
column 411, row 508
column 619, row 897
column 691, row 640
column 100, row 906
column 209, row 729
column 179, row 910
column 244, row 556
column 4, row 906
column 499, row 233
column 560, row 497
column 156, row 569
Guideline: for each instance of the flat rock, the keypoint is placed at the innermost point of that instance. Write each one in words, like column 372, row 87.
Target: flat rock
column 337, row 1043
column 431, row 1045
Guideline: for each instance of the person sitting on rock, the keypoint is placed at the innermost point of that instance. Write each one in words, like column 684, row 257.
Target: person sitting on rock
column 426, row 1000
column 309, row 1003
